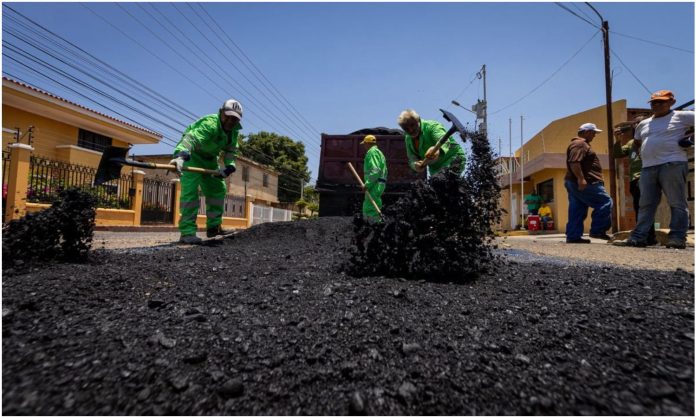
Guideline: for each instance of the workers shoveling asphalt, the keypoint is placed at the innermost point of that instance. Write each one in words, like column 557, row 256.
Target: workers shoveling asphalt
column 441, row 230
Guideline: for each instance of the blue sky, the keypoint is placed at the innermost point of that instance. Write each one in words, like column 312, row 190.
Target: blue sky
column 339, row 67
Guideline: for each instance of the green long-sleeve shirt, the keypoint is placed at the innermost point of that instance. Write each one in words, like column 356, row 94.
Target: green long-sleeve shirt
column 206, row 139
column 431, row 132
column 374, row 167
column 633, row 154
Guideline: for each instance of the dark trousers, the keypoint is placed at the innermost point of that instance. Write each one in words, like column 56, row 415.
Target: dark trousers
column 634, row 188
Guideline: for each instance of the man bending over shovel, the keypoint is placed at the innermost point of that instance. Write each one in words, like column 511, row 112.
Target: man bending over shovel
column 202, row 145
column 421, row 137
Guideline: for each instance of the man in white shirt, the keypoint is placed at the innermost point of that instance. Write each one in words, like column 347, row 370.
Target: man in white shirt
column 665, row 166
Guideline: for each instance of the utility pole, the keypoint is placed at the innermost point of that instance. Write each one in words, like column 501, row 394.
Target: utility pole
column 522, row 171
column 511, row 162
column 610, row 122
column 484, row 127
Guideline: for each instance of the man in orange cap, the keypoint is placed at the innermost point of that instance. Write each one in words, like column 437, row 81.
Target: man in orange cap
column 665, row 166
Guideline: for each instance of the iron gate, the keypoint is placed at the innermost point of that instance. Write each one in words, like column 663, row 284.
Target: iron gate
column 158, row 201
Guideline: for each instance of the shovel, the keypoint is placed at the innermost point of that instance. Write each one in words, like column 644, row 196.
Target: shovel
column 369, row 196
column 113, row 158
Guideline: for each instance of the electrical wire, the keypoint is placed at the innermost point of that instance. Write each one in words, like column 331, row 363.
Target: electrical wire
column 474, row 78
column 576, row 15
column 165, row 138
column 549, row 77
column 631, row 72
column 267, row 82
column 652, row 42
column 214, row 44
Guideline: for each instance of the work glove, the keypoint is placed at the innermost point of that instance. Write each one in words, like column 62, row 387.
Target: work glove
column 227, row 170
column 179, row 161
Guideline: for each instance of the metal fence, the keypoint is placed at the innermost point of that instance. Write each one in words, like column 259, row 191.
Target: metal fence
column 235, row 206
column 5, row 179
column 158, row 201
column 47, row 178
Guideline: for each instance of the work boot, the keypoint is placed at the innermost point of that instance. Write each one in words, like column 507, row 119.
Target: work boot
column 218, row 230
column 601, row 236
column 675, row 243
column 578, row 241
column 190, row 239
column 633, row 243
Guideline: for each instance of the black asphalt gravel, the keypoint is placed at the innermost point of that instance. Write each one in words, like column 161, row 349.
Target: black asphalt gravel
column 269, row 324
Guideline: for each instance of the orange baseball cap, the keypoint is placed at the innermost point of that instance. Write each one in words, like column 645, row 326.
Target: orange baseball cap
column 661, row 95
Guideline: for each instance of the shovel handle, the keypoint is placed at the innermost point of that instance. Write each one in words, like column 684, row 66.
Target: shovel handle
column 355, row 173
column 171, row 167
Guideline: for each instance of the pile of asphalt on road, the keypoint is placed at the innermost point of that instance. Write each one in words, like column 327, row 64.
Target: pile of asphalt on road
column 441, row 230
column 62, row 232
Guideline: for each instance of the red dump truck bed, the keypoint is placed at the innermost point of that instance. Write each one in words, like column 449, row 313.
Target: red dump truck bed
column 339, row 191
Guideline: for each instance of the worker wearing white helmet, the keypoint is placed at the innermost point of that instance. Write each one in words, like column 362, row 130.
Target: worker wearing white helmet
column 204, row 143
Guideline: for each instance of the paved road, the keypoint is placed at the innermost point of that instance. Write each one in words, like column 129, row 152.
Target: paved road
column 554, row 247
column 531, row 248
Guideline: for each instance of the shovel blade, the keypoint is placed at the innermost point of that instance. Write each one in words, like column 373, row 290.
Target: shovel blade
column 109, row 165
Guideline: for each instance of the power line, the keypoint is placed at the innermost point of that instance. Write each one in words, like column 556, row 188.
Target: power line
column 261, row 107
column 549, row 77
column 122, row 77
column 86, row 85
column 631, row 72
column 575, row 14
column 652, row 42
column 476, row 76
column 148, row 49
column 273, row 87
column 272, row 102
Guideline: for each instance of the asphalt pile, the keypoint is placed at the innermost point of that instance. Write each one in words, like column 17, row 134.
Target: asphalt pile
column 62, row 232
column 441, row 230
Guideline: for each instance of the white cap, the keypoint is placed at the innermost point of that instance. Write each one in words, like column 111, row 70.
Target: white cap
column 589, row 127
column 232, row 108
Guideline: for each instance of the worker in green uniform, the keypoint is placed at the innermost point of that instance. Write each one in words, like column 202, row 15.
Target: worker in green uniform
column 421, row 136
column 202, row 145
column 375, row 169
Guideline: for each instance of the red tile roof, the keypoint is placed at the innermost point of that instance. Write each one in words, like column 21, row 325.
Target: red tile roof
column 82, row 107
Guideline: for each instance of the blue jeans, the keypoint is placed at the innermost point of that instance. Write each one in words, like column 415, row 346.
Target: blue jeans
column 669, row 178
column 594, row 196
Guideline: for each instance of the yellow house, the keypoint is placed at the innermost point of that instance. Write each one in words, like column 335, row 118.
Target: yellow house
column 542, row 161
column 58, row 129
column 251, row 178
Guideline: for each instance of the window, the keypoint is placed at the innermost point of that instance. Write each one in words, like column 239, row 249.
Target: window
column 545, row 190
column 265, row 180
column 93, row 141
column 245, row 173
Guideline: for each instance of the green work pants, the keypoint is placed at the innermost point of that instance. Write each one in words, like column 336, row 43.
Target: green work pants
column 368, row 208
column 214, row 189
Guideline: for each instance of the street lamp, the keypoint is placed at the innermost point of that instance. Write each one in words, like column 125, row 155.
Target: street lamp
column 610, row 121
column 456, row 103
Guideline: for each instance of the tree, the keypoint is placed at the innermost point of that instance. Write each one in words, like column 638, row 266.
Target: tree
column 285, row 156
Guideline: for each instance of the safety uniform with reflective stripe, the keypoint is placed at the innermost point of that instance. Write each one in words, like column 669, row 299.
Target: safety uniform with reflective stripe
column 375, row 169
column 431, row 132
column 207, row 142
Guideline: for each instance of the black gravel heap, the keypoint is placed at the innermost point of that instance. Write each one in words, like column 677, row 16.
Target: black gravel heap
column 440, row 230
column 63, row 231
column 266, row 324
